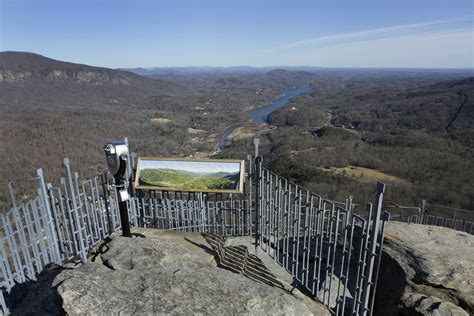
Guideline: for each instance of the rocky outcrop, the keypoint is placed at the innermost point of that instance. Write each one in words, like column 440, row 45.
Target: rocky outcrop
column 426, row 270
column 10, row 76
column 173, row 273
column 64, row 76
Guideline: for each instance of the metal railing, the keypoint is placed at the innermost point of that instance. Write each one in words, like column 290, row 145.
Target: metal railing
column 433, row 214
column 227, row 218
column 332, row 254
column 59, row 224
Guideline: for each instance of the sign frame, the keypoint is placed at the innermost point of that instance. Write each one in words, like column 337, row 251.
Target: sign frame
column 239, row 190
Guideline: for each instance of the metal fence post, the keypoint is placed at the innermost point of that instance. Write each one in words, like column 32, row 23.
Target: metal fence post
column 50, row 225
column 453, row 226
column 375, row 223
column 258, row 193
column 202, row 208
column 82, row 248
column 249, row 188
column 386, row 219
column 105, row 189
column 256, row 142
column 423, row 212
column 258, row 197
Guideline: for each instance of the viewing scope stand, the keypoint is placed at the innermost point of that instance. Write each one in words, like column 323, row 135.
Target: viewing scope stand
column 116, row 154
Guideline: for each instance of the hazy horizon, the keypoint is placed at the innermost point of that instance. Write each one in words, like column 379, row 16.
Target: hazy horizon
column 259, row 67
column 302, row 66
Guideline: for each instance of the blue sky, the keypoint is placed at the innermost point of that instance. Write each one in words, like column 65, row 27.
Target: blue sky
column 145, row 33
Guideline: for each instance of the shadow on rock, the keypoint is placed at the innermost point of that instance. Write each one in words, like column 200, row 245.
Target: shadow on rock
column 238, row 260
column 38, row 297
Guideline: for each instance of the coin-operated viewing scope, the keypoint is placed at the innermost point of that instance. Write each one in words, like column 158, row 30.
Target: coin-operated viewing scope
column 116, row 154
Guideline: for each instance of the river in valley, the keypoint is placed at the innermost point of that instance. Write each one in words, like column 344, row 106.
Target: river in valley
column 260, row 114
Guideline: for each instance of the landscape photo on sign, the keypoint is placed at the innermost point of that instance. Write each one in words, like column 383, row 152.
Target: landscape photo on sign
column 190, row 175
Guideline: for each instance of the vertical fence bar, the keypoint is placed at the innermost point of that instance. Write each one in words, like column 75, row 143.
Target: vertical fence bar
column 27, row 212
column 386, row 218
column 10, row 238
column 346, row 274
column 364, row 240
column 3, row 306
column 58, row 222
column 258, row 199
column 66, row 200
column 8, row 281
column 373, row 246
column 50, row 223
column 105, row 191
column 21, row 233
column 82, row 248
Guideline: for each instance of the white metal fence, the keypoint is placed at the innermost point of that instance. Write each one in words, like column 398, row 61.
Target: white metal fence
column 332, row 253
column 56, row 226
column 433, row 214
column 314, row 241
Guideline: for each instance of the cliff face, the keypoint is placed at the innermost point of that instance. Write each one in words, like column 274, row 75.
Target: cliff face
column 21, row 67
column 73, row 76
column 426, row 270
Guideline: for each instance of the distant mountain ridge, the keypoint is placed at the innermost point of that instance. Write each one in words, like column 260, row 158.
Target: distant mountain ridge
column 217, row 70
column 37, row 79
column 242, row 70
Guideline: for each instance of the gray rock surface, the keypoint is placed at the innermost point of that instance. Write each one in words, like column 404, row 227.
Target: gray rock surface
column 426, row 270
column 430, row 305
column 171, row 273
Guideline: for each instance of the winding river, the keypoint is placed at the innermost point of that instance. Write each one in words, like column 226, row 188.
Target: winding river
column 260, row 115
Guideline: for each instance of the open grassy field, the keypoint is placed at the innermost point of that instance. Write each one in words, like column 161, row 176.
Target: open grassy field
column 364, row 174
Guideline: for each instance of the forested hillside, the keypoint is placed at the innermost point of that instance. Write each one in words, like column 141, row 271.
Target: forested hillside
column 51, row 109
column 411, row 129
column 338, row 139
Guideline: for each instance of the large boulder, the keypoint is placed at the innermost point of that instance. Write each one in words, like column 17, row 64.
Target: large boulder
column 172, row 273
column 426, row 270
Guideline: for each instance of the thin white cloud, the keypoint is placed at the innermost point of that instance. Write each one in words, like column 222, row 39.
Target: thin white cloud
column 378, row 33
column 436, row 49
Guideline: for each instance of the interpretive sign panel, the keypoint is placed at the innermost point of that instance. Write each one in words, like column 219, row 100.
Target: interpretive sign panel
column 204, row 175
